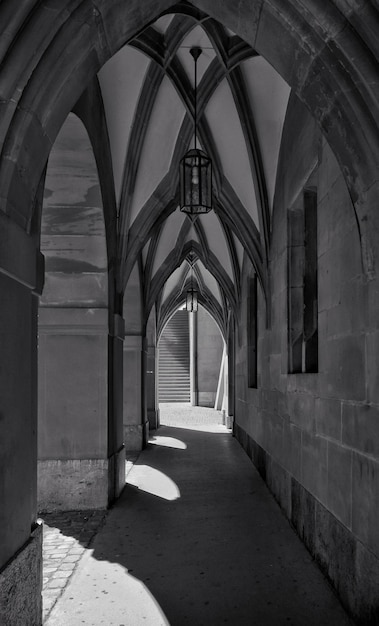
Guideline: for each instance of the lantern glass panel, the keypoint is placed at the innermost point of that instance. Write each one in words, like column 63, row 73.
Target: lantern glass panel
column 196, row 183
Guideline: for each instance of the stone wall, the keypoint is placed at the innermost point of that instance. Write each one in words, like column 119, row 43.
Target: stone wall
column 314, row 436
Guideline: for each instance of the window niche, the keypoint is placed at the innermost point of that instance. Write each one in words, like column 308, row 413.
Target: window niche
column 252, row 333
column 302, row 285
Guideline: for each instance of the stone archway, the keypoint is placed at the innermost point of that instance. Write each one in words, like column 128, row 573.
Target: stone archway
column 339, row 92
column 327, row 55
column 73, row 330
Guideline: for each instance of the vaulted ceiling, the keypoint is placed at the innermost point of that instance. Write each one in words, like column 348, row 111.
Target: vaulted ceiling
column 148, row 94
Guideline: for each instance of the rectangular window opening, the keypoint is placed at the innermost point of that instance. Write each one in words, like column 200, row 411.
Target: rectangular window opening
column 252, row 333
column 302, row 286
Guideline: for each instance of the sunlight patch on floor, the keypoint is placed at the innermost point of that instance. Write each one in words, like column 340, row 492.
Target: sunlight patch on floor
column 108, row 593
column 153, row 481
column 205, row 428
column 167, row 442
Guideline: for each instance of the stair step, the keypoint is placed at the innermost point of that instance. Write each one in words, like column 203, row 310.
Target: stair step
column 174, row 362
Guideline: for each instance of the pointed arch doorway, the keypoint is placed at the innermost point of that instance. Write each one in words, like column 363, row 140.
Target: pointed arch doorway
column 192, row 359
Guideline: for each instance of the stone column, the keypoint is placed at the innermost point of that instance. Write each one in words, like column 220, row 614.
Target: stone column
column 151, row 395
column 21, row 277
column 73, row 467
column 230, row 374
column 193, row 358
column 116, row 448
column 136, row 426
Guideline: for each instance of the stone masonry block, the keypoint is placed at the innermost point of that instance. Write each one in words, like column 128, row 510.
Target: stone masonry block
column 273, row 434
column 335, row 552
column 373, row 305
column 339, row 482
column 301, row 409
column 344, row 368
column 278, row 481
column 328, row 417
column 365, row 511
column 292, row 449
column 365, row 602
column 73, row 484
column 314, row 465
column 372, row 346
column 360, row 427
column 329, row 170
column 303, row 513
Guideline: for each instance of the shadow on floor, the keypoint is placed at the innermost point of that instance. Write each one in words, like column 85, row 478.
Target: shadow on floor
column 196, row 538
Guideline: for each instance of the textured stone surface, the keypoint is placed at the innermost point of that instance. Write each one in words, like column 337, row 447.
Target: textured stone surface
column 18, row 449
column 135, row 436
column 133, row 392
column 360, row 427
column 339, row 498
column 209, row 353
column 352, row 568
column 365, row 476
column 73, row 385
column 320, row 431
column 73, row 484
column 21, row 585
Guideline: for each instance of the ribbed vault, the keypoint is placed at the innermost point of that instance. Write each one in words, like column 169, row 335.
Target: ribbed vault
column 161, row 129
column 145, row 104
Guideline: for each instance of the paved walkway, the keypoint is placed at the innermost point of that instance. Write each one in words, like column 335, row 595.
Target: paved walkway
column 195, row 539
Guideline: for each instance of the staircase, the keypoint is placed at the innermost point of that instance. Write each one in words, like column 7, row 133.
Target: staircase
column 174, row 365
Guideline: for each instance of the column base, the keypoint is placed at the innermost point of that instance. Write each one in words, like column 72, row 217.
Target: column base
column 21, row 584
column 206, row 398
column 229, row 421
column 73, row 484
column 194, row 398
column 117, row 474
column 154, row 418
column 136, row 436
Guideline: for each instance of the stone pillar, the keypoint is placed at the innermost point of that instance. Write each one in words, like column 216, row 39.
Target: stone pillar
column 193, row 358
column 151, row 395
column 73, row 467
column 231, row 374
column 136, row 426
column 116, row 448
column 21, row 277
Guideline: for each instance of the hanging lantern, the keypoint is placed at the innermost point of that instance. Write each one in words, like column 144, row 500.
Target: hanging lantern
column 195, row 183
column 195, row 170
column 191, row 301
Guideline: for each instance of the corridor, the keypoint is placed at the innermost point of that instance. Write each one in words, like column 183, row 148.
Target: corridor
column 195, row 539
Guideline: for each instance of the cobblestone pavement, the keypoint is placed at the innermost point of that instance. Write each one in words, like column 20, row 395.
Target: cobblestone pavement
column 66, row 537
